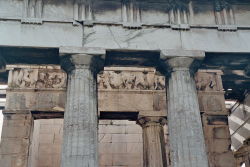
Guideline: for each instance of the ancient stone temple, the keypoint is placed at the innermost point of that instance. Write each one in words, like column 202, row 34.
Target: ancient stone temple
column 128, row 83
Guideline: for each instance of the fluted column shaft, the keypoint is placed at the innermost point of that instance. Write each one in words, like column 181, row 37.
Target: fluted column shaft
column 80, row 139
column 186, row 137
column 154, row 153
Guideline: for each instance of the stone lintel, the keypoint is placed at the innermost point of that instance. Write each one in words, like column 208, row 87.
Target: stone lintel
column 5, row 112
column 68, row 50
column 131, row 69
column 218, row 72
column 152, row 114
column 168, row 54
column 27, row 66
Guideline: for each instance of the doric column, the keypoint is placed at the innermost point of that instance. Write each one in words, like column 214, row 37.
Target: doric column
column 154, row 153
column 80, row 118
column 187, row 145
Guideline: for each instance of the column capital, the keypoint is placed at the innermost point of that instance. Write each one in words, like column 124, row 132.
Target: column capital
column 81, row 61
column 176, row 60
column 147, row 121
column 82, row 57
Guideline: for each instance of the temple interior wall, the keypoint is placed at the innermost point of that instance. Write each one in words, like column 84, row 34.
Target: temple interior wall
column 120, row 143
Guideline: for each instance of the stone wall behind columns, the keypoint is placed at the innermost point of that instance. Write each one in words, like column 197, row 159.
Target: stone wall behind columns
column 120, row 143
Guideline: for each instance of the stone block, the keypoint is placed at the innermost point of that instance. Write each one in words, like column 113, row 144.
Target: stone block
column 221, row 132
column 104, row 138
column 105, row 122
column 57, row 138
column 126, row 159
column 56, row 160
column 36, row 100
column 19, row 161
column 134, row 148
column 45, row 160
column 5, row 160
column 46, row 138
column 45, row 149
column 126, row 138
column 111, row 129
column 112, row 148
column 46, row 121
column 119, row 138
column 212, row 103
column 15, row 123
column 220, row 145
column 134, row 137
column 225, row 160
column 57, row 148
column 16, row 132
column 14, row 146
column 133, row 129
column 131, row 101
column 105, row 159
column 122, row 122
column 58, row 122
column 46, row 129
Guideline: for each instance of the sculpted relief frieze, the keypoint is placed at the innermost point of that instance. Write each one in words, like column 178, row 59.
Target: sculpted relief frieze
column 130, row 80
column 206, row 82
column 37, row 78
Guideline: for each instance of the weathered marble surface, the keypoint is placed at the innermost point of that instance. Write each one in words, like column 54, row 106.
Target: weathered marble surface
column 132, row 89
column 133, row 25
column 36, row 88
column 16, row 139
column 80, row 138
column 154, row 151
column 214, row 118
column 187, row 144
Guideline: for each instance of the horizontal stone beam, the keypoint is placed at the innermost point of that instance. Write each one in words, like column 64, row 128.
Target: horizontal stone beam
column 68, row 50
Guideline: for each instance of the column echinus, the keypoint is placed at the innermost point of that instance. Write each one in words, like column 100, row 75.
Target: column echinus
column 186, row 139
column 80, row 138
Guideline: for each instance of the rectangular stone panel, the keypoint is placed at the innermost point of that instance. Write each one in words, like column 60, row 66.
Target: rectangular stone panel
column 212, row 103
column 16, row 140
column 36, row 100
column 218, row 141
column 131, row 101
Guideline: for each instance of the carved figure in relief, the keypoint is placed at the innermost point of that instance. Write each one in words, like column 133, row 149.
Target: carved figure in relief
column 150, row 81
column 103, row 81
column 51, row 80
column 159, row 83
column 24, row 78
column 205, row 82
column 140, row 81
column 130, row 80
column 115, row 80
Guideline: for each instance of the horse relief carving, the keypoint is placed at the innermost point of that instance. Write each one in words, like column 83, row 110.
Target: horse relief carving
column 23, row 78
column 130, row 80
column 37, row 78
column 205, row 82
column 51, row 80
